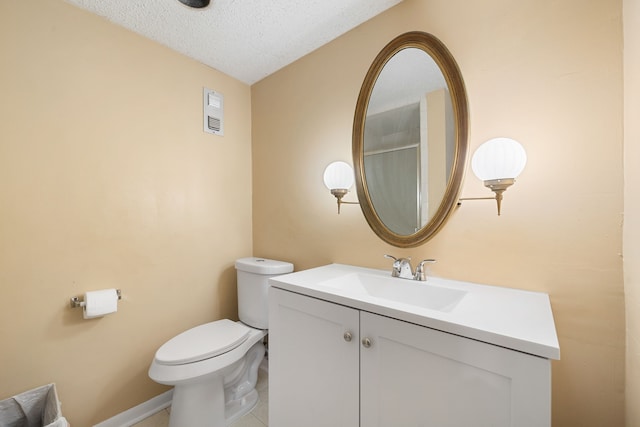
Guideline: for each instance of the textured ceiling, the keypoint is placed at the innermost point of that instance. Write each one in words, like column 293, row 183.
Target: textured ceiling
column 247, row 39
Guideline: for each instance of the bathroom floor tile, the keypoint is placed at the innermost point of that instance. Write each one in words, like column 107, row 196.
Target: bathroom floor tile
column 261, row 411
column 248, row 421
column 160, row 419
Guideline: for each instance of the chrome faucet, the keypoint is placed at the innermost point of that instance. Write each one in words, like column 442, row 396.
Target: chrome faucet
column 402, row 268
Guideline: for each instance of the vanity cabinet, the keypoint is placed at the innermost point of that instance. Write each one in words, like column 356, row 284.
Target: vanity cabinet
column 336, row 366
column 314, row 363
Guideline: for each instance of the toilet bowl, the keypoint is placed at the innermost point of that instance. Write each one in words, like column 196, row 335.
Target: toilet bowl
column 214, row 367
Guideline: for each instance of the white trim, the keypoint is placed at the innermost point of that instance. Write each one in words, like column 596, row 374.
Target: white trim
column 140, row 412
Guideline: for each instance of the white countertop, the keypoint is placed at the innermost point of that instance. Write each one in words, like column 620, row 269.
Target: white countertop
column 511, row 318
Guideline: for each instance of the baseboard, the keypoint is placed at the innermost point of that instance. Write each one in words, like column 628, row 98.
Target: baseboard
column 140, row 412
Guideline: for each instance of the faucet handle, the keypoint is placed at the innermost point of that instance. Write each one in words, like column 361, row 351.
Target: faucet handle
column 420, row 274
column 395, row 271
column 397, row 265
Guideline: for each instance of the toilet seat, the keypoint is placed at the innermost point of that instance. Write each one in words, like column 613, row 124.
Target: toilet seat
column 202, row 342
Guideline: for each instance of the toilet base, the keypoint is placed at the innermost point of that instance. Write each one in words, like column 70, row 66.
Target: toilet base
column 198, row 405
column 219, row 399
column 235, row 411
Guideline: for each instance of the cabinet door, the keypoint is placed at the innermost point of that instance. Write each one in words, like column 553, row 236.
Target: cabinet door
column 313, row 366
column 415, row 376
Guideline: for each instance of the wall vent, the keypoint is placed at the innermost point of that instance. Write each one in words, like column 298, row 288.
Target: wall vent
column 213, row 106
column 213, row 123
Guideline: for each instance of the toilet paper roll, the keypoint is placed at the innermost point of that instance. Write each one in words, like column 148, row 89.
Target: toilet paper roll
column 99, row 303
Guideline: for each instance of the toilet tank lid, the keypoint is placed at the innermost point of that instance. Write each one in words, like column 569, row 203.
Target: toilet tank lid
column 263, row 266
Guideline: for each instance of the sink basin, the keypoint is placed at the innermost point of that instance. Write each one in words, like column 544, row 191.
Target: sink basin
column 419, row 294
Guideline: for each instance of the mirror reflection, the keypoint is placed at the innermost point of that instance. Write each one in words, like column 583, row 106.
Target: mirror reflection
column 409, row 141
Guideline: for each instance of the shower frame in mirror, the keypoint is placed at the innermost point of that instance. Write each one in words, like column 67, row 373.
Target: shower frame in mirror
column 449, row 68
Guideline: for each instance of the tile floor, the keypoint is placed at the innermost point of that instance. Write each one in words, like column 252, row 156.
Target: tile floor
column 259, row 417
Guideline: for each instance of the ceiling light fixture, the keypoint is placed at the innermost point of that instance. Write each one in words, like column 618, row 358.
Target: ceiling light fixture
column 198, row 4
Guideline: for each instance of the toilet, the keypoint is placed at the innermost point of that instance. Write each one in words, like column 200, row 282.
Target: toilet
column 214, row 367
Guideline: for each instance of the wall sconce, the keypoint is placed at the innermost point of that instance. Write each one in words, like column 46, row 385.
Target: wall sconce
column 338, row 177
column 498, row 162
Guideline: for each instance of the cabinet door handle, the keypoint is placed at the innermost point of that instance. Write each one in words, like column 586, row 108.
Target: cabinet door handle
column 347, row 336
column 366, row 342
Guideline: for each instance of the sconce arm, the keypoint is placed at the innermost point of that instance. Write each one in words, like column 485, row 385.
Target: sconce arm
column 339, row 193
column 461, row 199
column 498, row 186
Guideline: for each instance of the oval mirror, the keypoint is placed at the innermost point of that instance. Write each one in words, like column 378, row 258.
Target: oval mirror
column 410, row 139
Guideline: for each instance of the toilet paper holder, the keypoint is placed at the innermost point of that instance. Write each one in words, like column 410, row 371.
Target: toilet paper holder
column 77, row 302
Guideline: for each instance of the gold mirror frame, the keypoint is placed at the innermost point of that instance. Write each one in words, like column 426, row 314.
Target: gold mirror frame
column 449, row 68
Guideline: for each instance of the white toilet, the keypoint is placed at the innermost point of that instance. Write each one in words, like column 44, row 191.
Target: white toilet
column 214, row 367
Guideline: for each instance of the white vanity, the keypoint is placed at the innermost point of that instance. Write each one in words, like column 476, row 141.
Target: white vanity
column 351, row 346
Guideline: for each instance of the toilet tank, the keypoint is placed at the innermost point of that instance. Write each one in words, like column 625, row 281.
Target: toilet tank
column 253, row 286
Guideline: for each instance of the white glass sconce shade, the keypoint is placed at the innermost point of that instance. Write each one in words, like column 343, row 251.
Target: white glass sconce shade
column 338, row 175
column 499, row 158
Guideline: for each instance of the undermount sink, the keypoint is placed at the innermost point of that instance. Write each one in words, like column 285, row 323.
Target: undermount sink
column 415, row 293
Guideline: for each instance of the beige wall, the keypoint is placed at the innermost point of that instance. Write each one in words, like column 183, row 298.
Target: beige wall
column 632, row 204
column 546, row 73
column 107, row 180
